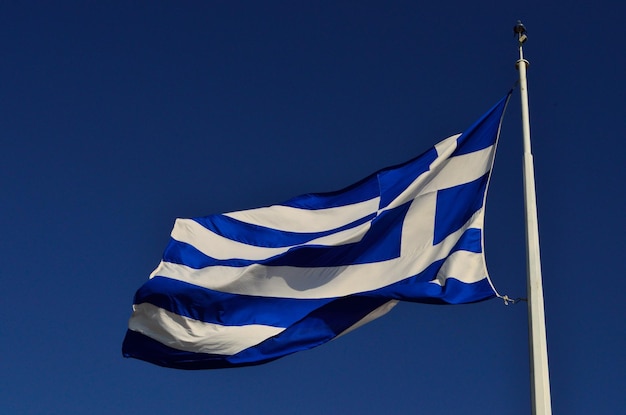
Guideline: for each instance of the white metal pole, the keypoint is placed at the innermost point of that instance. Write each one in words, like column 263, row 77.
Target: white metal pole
column 539, row 376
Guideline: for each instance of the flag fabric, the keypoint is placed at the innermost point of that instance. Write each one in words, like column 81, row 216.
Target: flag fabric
column 247, row 287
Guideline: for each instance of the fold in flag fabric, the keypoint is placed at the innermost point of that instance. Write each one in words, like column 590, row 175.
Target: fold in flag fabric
column 248, row 287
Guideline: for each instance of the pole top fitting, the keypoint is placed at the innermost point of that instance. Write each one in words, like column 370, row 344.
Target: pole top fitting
column 520, row 31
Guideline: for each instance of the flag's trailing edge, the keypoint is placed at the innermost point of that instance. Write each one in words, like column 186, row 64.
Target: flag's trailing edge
column 248, row 287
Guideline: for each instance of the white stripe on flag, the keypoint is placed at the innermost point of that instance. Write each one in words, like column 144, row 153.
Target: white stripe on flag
column 447, row 146
column 285, row 218
column 184, row 333
column 219, row 247
column 379, row 312
column 468, row 264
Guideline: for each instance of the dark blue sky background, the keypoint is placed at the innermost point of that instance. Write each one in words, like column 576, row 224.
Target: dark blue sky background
column 118, row 117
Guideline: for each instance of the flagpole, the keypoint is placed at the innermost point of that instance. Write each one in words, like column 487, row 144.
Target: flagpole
column 539, row 377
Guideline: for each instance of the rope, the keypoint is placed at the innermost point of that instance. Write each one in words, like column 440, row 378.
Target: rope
column 508, row 300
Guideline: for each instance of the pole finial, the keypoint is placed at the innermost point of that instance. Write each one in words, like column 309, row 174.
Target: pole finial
column 520, row 30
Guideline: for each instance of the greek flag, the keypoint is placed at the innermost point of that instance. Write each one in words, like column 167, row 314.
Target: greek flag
column 248, row 287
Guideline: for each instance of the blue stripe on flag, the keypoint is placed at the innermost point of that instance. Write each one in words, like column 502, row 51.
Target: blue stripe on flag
column 456, row 205
column 322, row 325
column 361, row 191
column 256, row 235
column 420, row 288
column 142, row 347
column 387, row 183
column 480, row 134
column 227, row 309
column 381, row 242
column 470, row 241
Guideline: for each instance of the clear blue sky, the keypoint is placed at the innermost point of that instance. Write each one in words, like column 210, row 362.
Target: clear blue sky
column 118, row 117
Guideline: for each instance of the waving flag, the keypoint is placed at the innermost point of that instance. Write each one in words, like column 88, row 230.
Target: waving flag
column 248, row 287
